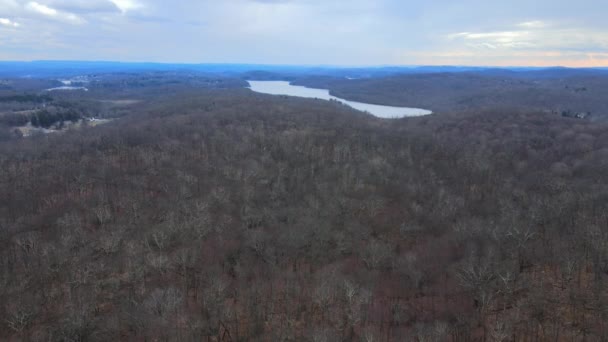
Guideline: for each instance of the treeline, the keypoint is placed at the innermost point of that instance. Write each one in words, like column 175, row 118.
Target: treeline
column 26, row 98
column 183, row 79
column 14, row 119
column 225, row 215
column 40, row 118
column 46, row 119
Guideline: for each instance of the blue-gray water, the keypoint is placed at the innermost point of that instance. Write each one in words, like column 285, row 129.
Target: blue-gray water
column 284, row 88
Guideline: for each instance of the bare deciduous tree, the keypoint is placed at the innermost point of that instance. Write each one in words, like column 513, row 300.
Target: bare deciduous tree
column 19, row 319
column 163, row 302
column 376, row 254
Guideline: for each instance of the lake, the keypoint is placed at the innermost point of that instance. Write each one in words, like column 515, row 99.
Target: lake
column 64, row 88
column 285, row 88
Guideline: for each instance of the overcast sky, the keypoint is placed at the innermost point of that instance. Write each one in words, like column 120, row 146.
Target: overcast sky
column 311, row 32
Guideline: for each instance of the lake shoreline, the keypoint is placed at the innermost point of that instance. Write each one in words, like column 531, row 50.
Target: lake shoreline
column 380, row 111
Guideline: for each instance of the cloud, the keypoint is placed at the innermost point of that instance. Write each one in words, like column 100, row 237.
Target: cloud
column 84, row 6
column 127, row 5
column 52, row 13
column 537, row 35
column 532, row 24
column 495, row 40
column 546, row 42
column 504, row 36
column 368, row 32
column 42, row 9
column 8, row 23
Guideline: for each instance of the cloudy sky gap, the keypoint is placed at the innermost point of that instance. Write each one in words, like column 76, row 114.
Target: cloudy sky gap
column 354, row 32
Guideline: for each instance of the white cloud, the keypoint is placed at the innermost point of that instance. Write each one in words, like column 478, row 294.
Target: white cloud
column 53, row 13
column 533, row 24
column 127, row 5
column 9, row 23
column 550, row 42
column 83, row 6
column 537, row 35
column 503, row 37
column 42, row 9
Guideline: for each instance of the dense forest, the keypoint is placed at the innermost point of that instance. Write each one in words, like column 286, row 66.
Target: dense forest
column 224, row 215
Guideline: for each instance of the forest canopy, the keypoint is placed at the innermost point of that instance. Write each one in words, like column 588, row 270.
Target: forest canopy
column 223, row 214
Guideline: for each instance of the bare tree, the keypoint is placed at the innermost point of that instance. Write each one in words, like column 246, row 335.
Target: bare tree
column 376, row 254
column 408, row 265
column 109, row 243
column 501, row 332
column 435, row 332
column 163, row 302
column 19, row 319
column 102, row 214
column 321, row 335
column 479, row 277
column 356, row 300
column 370, row 334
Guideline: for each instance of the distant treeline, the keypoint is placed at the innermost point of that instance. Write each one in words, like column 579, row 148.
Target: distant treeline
column 27, row 98
column 46, row 119
column 43, row 118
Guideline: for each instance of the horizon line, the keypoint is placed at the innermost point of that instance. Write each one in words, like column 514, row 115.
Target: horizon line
column 340, row 66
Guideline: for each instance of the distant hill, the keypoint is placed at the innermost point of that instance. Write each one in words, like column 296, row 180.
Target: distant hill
column 42, row 69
